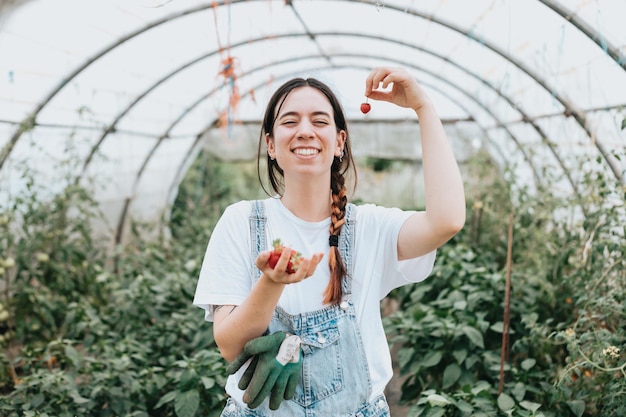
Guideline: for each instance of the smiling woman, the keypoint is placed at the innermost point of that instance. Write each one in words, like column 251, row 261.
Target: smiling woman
column 339, row 362
column 117, row 98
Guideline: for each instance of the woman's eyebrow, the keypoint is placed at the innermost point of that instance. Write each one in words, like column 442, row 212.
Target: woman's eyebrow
column 294, row 113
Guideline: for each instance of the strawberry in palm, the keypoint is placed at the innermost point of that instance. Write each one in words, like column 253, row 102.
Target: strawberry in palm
column 294, row 260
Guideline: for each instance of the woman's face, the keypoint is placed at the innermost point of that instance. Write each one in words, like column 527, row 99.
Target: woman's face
column 305, row 138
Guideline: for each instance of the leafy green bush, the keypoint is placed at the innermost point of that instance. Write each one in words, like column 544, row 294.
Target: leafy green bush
column 88, row 333
column 567, row 338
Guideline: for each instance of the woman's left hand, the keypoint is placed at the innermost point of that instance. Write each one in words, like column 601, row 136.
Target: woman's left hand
column 404, row 92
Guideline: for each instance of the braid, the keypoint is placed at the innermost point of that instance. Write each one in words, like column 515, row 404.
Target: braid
column 333, row 292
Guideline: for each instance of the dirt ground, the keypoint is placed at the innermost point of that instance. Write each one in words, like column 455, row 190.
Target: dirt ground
column 394, row 388
column 394, row 391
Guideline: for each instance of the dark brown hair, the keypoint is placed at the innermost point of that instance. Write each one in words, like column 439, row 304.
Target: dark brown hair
column 339, row 167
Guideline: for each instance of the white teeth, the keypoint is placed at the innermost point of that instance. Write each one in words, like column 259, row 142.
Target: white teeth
column 305, row 152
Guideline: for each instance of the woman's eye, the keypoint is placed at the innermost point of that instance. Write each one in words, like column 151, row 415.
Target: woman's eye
column 320, row 122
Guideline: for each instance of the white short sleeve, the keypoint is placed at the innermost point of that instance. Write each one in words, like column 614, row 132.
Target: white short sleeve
column 378, row 229
column 226, row 275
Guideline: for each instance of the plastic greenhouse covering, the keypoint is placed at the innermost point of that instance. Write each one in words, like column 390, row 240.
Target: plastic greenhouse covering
column 133, row 90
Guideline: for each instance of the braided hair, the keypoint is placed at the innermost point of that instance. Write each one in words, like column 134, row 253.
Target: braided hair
column 339, row 168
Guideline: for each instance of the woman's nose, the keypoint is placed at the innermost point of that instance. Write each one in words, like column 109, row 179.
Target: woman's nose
column 305, row 129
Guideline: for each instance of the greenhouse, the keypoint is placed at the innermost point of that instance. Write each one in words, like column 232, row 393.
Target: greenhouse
column 128, row 127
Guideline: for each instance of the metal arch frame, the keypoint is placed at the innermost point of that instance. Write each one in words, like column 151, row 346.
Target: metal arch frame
column 30, row 119
column 111, row 128
column 593, row 34
column 570, row 110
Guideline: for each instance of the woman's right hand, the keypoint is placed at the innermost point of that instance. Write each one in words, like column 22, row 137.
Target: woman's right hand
column 279, row 273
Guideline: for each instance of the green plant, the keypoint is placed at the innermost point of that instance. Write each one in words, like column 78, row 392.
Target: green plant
column 103, row 338
column 565, row 353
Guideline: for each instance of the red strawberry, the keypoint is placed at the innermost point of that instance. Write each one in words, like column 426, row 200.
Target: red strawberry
column 365, row 107
column 294, row 260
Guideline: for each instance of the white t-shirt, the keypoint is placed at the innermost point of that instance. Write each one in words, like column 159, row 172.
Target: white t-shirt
column 228, row 270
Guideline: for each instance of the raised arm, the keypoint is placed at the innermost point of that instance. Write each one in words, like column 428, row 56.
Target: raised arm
column 445, row 198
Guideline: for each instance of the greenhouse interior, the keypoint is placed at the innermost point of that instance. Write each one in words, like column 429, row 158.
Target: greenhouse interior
column 128, row 127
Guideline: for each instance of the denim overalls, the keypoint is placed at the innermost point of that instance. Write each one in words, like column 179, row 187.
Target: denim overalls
column 335, row 379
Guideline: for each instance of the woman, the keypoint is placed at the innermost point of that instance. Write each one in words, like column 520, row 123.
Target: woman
column 351, row 257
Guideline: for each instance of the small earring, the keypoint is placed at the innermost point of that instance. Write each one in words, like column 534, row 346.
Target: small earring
column 341, row 157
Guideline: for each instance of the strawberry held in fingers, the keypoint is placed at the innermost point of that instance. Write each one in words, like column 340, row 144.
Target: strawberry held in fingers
column 294, row 260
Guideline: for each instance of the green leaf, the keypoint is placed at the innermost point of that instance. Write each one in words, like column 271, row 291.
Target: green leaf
column 431, row 359
column 474, row 336
column 435, row 412
column 451, row 374
column 624, row 123
column 505, row 402
column 79, row 399
column 528, row 363
column 497, row 327
column 208, row 383
column 577, row 407
column 464, row 407
column 479, row 387
column 167, row 398
column 188, row 380
column 37, row 400
column 187, row 403
column 436, row 400
column 519, row 391
column 404, row 356
column 460, row 355
column 72, row 355
column 529, row 405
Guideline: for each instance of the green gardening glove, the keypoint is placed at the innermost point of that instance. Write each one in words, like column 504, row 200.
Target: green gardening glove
column 274, row 369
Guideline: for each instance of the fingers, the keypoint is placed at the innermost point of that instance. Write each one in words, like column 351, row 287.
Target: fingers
column 380, row 78
column 292, row 383
column 248, row 373
column 256, row 393
column 283, row 261
column 278, row 392
column 308, row 266
column 395, row 85
column 262, row 260
column 238, row 362
column 279, row 273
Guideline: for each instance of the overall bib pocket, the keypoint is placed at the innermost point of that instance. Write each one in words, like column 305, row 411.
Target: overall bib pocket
column 322, row 374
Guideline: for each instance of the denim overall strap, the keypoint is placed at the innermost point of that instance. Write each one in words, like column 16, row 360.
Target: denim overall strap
column 346, row 247
column 258, row 241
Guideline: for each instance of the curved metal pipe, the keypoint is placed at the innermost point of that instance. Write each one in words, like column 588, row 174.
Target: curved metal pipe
column 111, row 127
column 570, row 110
column 29, row 121
column 593, row 34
